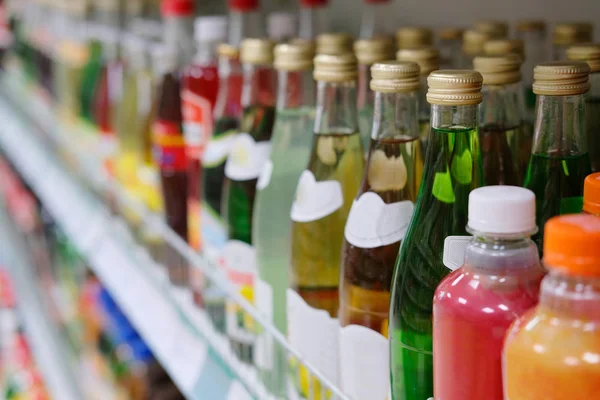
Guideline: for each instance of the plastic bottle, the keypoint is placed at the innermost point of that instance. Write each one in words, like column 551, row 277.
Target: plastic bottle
column 475, row 305
column 591, row 194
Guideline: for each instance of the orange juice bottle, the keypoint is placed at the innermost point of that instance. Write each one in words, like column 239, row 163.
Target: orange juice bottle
column 553, row 351
column 591, row 194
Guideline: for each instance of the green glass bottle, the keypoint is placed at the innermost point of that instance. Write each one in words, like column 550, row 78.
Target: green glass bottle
column 560, row 160
column 452, row 169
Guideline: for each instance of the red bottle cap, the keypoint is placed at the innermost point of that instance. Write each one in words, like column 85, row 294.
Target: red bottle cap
column 313, row 3
column 243, row 5
column 177, row 8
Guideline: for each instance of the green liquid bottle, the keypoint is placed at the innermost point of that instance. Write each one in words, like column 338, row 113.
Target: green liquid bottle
column 323, row 200
column 560, row 160
column 271, row 226
column 452, row 169
column 91, row 75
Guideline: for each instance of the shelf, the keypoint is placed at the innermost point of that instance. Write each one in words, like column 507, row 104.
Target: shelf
column 196, row 355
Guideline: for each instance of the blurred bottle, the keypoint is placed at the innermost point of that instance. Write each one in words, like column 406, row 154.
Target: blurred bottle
column 373, row 18
column 245, row 21
column 413, row 37
column 534, row 37
column 567, row 34
column 313, row 19
column 334, row 43
column 281, row 26
column 450, row 45
column 492, row 29
column 473, row 42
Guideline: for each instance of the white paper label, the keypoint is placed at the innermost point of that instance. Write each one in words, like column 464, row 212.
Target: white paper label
column 372, row 223
column 314, row 334
column 265, row 175
column 217, row 150
column 364, row 363
column 454, row 251
column 315, row 200
column 247, row 158
column 263, row 297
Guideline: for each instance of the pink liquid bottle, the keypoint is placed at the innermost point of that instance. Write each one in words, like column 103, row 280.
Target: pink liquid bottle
column 200, row 86
column 474, row 306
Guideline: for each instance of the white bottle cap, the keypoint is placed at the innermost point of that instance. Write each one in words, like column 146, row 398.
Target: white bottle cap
column 502, row 210
column 281, row 26
column 210, row 29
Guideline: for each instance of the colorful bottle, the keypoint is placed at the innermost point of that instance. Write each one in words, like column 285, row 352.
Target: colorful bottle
column 534, row 37
column 551, row 352
column 369, row 52
column 249, row 153
column 376, row 225
column 200, row 85
column 500, row 119
column 452, row 169
column 334, row 43
column 313, row 19
column 372, row 23
column 567, row 34
column 428, row 59
column 323, row 200
column 271, row 225
column 473, row 42
column 591, row 55
column 475, row 305
column 559, row 161
column 591, row 194
column 410, row 37
column 493, row 29
column 450, row 44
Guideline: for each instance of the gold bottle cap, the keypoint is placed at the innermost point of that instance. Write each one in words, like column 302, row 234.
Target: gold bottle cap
column 336, row 68
column 531, row 25
column 561, row 78
column 414, row 36
column 454, row 87
column 499, row 70
column 227, row 50
column 395, row 77
column 334, row 43
column 494, row 29
column 371, row 51
column 451, row 33
column 500, row 47
column 590, row 53
column 427, row 57
column 568, row 33
column 257, row 51
column 473, row 41
column 294, row 56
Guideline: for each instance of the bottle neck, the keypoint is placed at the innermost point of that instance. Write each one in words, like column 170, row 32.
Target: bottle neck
column 560, row 126
column 372, row 20
column 259, row 85
column 501, row 106
column 395, row 116
column 454, row 117
column 178, row 35
column 295, row 89
column 243, row 25
column 424, row 106
column 336, row 108
column 536, row 52
column 364, row 93
column 491, row 253
column 313, row 21
column 571, row 297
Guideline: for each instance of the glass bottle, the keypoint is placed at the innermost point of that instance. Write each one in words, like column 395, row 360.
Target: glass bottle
column 450, row 44
column 271, row 225
column 369, row 52
column 559, row 161
column 591, row 55
column 500, row 119
column 452, row 169
column 567, row 34
column 200, row 85
column 409, row 37
column 502, row 47
column 313, row 19
column 428, row 59
column 474, row 306
column 249, row 153
column 551, row 352
column 323, row 199
column 473, row 42
column 245, row 21
column 376, row 225
column 591, row 194
column 334, row 43
column 493, row 29
column 372, row 22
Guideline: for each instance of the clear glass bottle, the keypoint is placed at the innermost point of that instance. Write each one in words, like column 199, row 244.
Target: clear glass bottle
column 313, row 19
column 334, row 43
column 369, row 52
column 372, row 23
column 473, row 42
column 271, row 224
column 245, row 21
column 534, row 37
column 450, row 45
column 500, row 119
column 474, row 306
column 502, row 47
column 567, row 34
column 591, row 55
column 452, row 169
column 409, row 37
column 376, row 225
column 559, row 340
column 591, row 194
column 560, row 160
column 324, row 196
column 493, row 29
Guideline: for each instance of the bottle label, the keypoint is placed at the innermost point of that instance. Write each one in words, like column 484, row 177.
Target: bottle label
column 372, row 223
column 246, row 158
column 454, row 251
column 364, row 363
column 169, row 146
column 239, row 262
column 264, row 342
column 265, row 176
column 197, row 115
column 315, row 335
column 315, row 200
column 217, row 149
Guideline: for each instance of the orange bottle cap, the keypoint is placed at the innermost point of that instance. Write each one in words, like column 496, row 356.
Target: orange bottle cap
column 572, row 244
column 591, row 194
